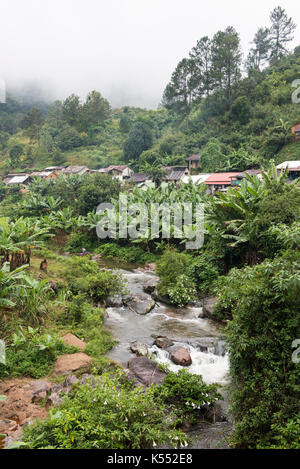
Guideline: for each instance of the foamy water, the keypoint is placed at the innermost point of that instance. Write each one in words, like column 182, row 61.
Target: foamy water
column 181, row 325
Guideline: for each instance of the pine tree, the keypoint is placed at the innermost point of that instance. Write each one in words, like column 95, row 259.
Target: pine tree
column 261, row 50
column 202, row 60
column 179, row 92
column 226, row 60
column 281, row 33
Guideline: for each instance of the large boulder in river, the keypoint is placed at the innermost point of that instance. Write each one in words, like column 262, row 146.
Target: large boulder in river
column 181, row 356
column 151, row 285
column 145, row 372
column 141, row 350
column 163, row 342
column 114, row 302
column 140, row 304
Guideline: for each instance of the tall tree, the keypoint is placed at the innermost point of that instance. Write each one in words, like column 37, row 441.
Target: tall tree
column 33, row 122
column 139, row 139
column 281, row 33
column 95, row 110
column 71, row 110
column 261, row 50
column 178, row 94
column 202, row 59
column 226, row 60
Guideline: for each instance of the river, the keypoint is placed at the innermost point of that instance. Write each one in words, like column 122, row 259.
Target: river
column 182, row 325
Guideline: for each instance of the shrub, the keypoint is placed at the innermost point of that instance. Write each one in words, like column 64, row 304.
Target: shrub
column 132, row 254
column 32, row 353
column 88, row 324
column 170, row 266
column 203, row 272
column 98, row 286
column 80, row 240
column 104, row 417
column 183, row 292
column 187, row 393
column 264, row 304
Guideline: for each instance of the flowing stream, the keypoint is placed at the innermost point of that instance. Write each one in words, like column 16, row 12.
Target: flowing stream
column 201, row 337
column 185, row 326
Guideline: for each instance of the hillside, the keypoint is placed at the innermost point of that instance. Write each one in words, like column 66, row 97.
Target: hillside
column 246, row 131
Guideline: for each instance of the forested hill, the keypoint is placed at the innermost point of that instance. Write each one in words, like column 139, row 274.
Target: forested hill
column 237, row 114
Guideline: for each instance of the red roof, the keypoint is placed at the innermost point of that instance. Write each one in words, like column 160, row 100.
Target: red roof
column 221, row 178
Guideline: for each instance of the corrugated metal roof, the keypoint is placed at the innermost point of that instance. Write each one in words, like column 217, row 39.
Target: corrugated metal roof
column 18, row 180
column 74, row 169
column 289, row 164
column 139, row 177
column 42, row 173
column 176, row 175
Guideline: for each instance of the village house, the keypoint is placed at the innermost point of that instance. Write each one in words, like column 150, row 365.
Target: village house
column 140, row 178
column 78, row 170
column 21, row 179
column 175, row 173
column 46, row 175
column 237, row 179
column 220, row 182
column 296, row 132
column 121, row 172
column 193, row 162
column 293, row 169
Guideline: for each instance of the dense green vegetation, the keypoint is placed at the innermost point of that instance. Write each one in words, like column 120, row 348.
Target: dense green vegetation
column 118, row 415
column 249, row 259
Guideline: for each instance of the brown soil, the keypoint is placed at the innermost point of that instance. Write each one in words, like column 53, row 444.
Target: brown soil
column 18, row 409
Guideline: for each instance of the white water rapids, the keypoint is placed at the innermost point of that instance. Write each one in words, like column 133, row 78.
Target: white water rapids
column 182, row 325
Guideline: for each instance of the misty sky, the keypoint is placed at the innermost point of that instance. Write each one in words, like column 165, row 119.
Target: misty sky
column 126, row 49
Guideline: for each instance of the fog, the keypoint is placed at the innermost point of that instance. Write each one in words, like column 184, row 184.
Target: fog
column 126, row 49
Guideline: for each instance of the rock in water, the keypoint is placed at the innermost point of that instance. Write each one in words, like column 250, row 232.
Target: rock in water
column 141, row 350
column 145, row 372
column 150, row 285
column 141, row 304
column 181, row 357
column 163, row 342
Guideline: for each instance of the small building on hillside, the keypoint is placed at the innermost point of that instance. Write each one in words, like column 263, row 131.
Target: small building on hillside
column 193, row 161
column 293, row 168
column 78, row 170
column 46, row 175
column 58, row 169
column 121, row 172
column 237, row 179
column 175, row 173
column 140, row 179
column 296, row 132
column 9, row 177
column 17, row 179
column 220, row 182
